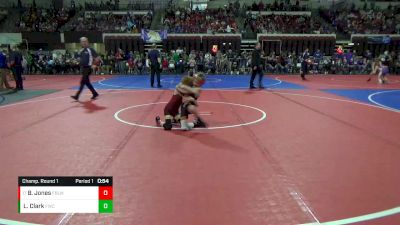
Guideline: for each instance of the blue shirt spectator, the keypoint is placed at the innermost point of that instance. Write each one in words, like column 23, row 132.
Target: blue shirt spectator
column 318, row 55
column 360, row 61
column 3, row 60
column 349, row 58
column 368, row 55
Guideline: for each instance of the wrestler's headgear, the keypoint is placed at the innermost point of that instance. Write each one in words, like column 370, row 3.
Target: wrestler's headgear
column 199, row 79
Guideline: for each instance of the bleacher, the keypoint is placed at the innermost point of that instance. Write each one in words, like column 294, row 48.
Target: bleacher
column 364, row 21
column 285, row 25
column 42, row 19
column 282, row 22
column 110, row 21
column 183, row 20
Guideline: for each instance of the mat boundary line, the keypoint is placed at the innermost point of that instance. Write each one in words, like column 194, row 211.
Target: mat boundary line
column 362, row 218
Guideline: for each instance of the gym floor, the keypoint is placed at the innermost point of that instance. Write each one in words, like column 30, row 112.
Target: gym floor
column 322, row 151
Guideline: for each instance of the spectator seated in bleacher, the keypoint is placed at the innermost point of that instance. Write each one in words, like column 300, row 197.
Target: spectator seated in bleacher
column 108, row 5
column 181, row 20
column 43, row 20
column 281, row 5
column 363, row 21
column 181, row 61
column 110, row 22
column 283, row 23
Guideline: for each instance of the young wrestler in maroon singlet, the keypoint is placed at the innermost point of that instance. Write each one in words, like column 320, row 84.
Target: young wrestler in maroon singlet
column 189, row 86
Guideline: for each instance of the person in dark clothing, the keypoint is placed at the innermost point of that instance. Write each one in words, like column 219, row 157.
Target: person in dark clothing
column 3, row 71
column 16, row 66
column 88, row 61
column 257, row 67
column 304, row 64
column 155, row 66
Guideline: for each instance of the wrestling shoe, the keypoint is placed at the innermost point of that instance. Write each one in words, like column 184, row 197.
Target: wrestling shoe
column 95, row 96
column 186, row 125
column 75, row 97
column 199, row 124
column 158, row 121
column 168, row 124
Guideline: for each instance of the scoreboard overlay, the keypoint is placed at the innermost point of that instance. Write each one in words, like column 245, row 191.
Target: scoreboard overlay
column 65, row 195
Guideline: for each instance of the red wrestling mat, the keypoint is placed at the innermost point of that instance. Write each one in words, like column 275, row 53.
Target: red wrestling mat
column 56, row 81
column 343, row 81
column 272, row 157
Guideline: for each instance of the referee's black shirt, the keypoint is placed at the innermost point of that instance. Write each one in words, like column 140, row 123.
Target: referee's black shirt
column 256, row 58
column 87, row 55
column 16, row 58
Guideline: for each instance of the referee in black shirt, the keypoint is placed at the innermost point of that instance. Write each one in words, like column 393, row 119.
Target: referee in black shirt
column 16, row 66
column 155, row 65
column 88, row 60
column 304, row 64
column 257, row 67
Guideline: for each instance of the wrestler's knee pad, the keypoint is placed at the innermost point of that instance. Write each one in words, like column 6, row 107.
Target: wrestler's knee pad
column 168, row 124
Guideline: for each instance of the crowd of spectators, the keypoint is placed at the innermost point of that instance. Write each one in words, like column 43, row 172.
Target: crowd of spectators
column 186, row 20
column 101, row 5
column 34, row 18
column 112, row 5
column 110, row 22
column 281, row 5
column 91, row 17
column 363, row 21
column 43, row 19
column 348, row 19
column 283, row 23
column 181, row 61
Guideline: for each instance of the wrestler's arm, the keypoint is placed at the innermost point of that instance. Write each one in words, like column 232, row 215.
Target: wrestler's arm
column 189, row 99
column 185, row 89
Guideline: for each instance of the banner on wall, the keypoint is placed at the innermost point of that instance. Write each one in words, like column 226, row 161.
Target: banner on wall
column 379, row 40
column 151, row 36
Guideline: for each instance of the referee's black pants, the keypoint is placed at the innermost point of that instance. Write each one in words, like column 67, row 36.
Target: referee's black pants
column 86, row 71
column 18, row 78
column 304, row 70
column 260, row 74
column 155, row 70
